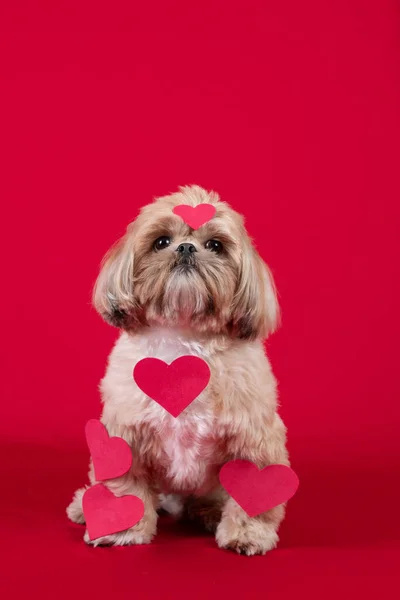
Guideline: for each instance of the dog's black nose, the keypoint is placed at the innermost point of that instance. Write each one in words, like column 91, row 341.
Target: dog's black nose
column 186, row 249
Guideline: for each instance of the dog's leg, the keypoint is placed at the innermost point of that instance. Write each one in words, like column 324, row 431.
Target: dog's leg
column 254, row 535
column 75, row 510
column 142, row 532
column 237, row 531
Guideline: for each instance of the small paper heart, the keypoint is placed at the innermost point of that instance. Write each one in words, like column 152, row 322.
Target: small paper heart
column 255, row 490
column 111, row 456
column 106, row 513
column 195, row 216
column 173, row 386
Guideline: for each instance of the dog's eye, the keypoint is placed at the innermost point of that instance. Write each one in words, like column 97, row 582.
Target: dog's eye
column 214, row 246
column 162, row 242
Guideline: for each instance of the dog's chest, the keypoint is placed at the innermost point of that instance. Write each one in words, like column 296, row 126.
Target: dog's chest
column 188, row 441
column 188, row 450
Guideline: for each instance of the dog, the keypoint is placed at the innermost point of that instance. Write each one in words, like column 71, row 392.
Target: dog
column 175, row 291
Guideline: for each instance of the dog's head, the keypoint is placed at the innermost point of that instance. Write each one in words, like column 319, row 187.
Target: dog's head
column 210, row 279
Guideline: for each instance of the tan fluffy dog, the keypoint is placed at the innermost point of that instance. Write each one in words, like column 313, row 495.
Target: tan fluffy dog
column 176, row 291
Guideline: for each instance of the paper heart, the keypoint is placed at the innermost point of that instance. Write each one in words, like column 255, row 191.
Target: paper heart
column 257, row 491
column 173, row 386
column 195, row 216
column 111, row 456
column 106, row 514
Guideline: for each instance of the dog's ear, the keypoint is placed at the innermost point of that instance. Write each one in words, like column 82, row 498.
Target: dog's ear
column 113, row 291
column 255, row 311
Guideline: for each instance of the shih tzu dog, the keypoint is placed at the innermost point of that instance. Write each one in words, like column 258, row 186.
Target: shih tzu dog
column 174, row 291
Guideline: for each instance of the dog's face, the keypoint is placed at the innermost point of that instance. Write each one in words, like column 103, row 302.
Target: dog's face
column 164, row 272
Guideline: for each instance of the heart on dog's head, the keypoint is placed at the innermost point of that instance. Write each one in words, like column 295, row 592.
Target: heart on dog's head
column 195, row 216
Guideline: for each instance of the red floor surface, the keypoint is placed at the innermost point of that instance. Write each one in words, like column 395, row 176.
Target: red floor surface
column 340, row 538
column 290, row 110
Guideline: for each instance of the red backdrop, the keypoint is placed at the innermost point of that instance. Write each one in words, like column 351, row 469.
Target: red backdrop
column 290, row 110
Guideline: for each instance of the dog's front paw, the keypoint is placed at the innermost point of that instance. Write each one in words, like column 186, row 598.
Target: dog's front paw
column 250, row 537
column 142, row 533
column 124, row 538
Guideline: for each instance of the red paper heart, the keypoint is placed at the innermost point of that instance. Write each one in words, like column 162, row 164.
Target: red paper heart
column 195, row 216
column 112, row 456
column 173, row 386
column 106, row 514
column 257, row 491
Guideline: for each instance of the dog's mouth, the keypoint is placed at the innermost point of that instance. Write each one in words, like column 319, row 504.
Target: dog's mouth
column 184, row 269
column 185, row 265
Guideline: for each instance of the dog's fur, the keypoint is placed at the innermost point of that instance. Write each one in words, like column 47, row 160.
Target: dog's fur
column 215, row 306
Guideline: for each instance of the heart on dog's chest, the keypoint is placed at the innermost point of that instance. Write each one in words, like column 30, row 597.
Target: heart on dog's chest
column 174, row 386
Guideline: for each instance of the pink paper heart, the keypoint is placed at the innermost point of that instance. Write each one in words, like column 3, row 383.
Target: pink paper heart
column 112, row 456
column 173, row 386
column 106, row 513
column 195, row 216
column 257, row 491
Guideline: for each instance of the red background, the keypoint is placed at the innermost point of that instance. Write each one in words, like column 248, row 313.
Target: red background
column 290, row 110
